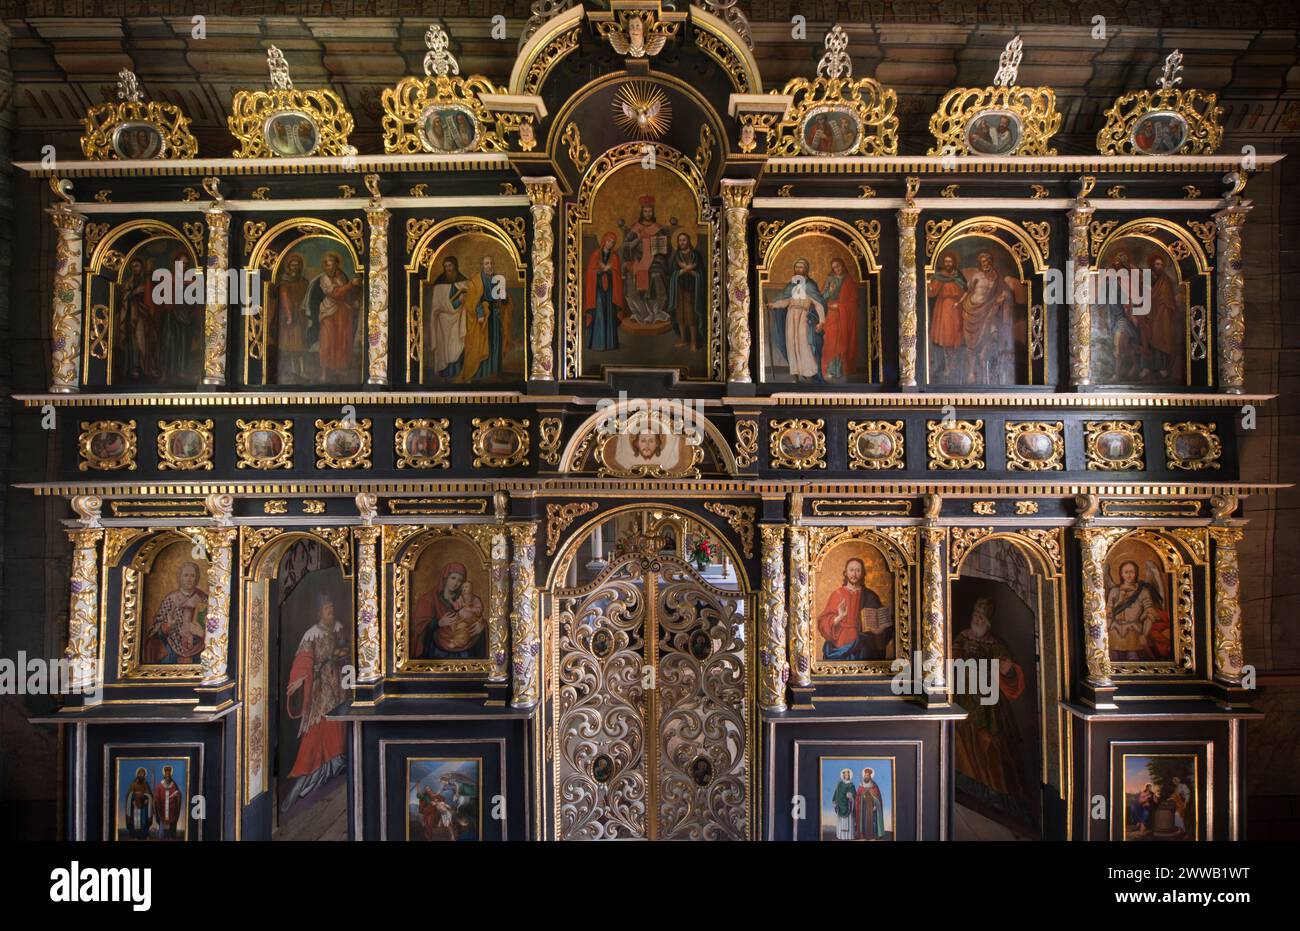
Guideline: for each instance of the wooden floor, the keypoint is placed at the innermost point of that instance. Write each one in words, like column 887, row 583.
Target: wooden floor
column 970, row 825
column 327, row 819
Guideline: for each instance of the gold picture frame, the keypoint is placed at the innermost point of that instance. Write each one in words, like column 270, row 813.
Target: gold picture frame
column 1095, row 443
column 439, row 458
column 947, row 459
column 406, row 553
column 811, row 453
column 171, row 430
column 131, row 630
column 1179, row 559
column 106, row 455
column 106, row 127
column 354, row 458
column 490, row 456
column 1018, row 456
column 1182, row 460
column 253, row 113
column 815, row 105
column 1195, row 114
column 249, row 440
column 897, row 545
column 1029, row 112
column 441, row 92
column 861, row 431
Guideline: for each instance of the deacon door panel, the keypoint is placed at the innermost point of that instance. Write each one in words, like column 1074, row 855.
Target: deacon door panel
column 651, row 718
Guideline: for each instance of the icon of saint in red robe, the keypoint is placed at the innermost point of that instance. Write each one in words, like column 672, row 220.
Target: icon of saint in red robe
column 315, row 689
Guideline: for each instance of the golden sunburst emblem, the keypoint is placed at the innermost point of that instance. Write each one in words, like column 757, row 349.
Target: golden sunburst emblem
column 642, row 110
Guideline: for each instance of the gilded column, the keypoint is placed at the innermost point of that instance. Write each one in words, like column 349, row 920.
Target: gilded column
column 1231, row 328
column 498, row 607
column 1095, row 542
column 934, row 617
column 1228, row 661
column 377, row 313
column 65, row 327
column 217, row 288
column 1081, row 296
column 800, row 609
column 369, row 668
column 543, row 195
column 774, row 670
column 216, row 639
column 907, row 323
column 736, row 197
column 83, row 610
column 526, row 659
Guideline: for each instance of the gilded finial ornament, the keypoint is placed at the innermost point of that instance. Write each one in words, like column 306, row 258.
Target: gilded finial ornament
column 834, row 115
column 999, row 120
column 442, row 113
column 1165, row 121
column 288, row 123
column 62, row 189
column 136, row 130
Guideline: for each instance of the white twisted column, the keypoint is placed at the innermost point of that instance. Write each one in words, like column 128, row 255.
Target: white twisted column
column 907, row 318
column 66, row 323
column 774, row 669
column 369, row 667
column 736, row 197
column 1080, row 306
column 1228, row 658
column 377, row 312
column 217, row 291
column 543, row 195
column 800, row 609
column 526, row 658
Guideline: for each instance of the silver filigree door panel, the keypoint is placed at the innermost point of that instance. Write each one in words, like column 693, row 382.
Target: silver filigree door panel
column 651, row 715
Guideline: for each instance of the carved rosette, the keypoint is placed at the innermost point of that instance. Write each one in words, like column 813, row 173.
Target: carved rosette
column 369, row 667
column 377, row 313
column 736, row 196
column 543, row 195
column 1080, row 308
column 774, row 669
column 907, row 323
column 83, row 610
column 1095, row 542
column 499, row 608
column 218, row 542
column 933, row 609
column 65, row 330
column 800, row 609
column 216, row 290
column 1228, row 659
column 524, row 632
column 1231, row 329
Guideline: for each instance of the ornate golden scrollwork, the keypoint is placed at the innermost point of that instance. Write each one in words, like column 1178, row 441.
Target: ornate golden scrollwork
column 1166, row 121
column 287, row 123
column 1035, row 446
column 548, row 439
column 579, row 154
column 184, row 444
column 107, row 444
column 343, row 444
column 1114, row 445
column 420, row 114
column 422, row 443
column 264, row 444
column 1023, row 119
column 822, row 108
column 876, row 444
column 135, row 130
column 797, row 444
column 1191, row 447
column 500, row 443
column 746, row 443
column 741, row 517
column 957, row 444
column 559, row 517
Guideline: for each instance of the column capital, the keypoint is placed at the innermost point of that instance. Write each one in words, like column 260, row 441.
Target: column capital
column 543, row 191
column 738, row 193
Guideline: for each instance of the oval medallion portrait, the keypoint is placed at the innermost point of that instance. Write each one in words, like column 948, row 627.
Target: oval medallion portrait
column 1160, row 132
column 185, row 444
column 994, row 132
column 291, row 134
column 343, row 442
column 1115, row 445
column 448, row 128
column 956, row 444
column 830, row 131
column 422, row 443
column 137, row 141
column 875, row 445
column 1035, row 446
column 265, row 444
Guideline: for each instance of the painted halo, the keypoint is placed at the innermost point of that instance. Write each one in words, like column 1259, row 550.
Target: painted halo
column 448, row 129
column 830, row 130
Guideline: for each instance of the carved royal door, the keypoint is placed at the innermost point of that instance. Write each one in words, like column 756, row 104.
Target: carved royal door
column 651, row 705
